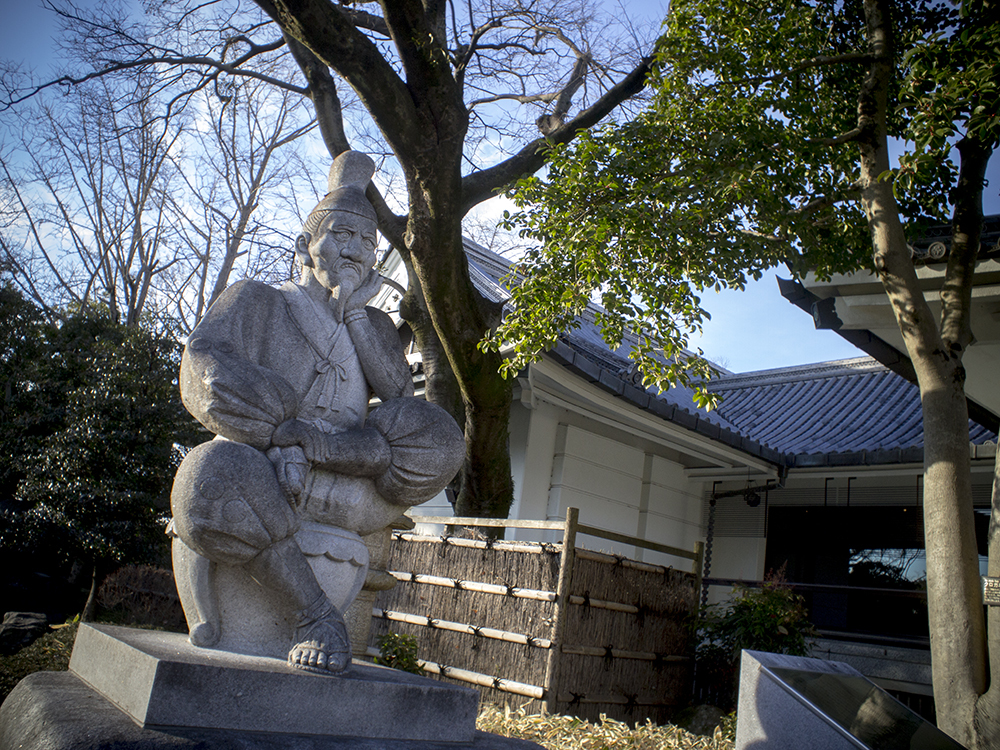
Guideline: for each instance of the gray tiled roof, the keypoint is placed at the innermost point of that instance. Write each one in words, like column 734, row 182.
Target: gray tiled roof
column 854, row 411
column 847, row 406
column 989, row 240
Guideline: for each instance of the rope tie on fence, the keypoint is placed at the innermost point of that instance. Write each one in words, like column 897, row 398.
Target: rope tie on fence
column 631, row 702
column 432, row 623
column 458, row 584
column 575, row 701
column 445, row 541
column 385, row 615
column 586, row 605
column 619, row 561
column 511, row 590
column 609, row 657
column 477, row 637
column 530, row 644
column 497, row 683
column 659, row 659
column 640, row 612
column 445, row 669
column 413, row 576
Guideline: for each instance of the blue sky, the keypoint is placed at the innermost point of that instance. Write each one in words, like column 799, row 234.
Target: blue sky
column 26, row 30
column 750, row 330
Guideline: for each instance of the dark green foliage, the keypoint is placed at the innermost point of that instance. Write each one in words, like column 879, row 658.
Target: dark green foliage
column 399, row 652
column 771, row 618
column 20, row 350
column 88, row 444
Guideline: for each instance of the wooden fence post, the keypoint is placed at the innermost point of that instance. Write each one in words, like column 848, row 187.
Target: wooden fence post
column 566, row 560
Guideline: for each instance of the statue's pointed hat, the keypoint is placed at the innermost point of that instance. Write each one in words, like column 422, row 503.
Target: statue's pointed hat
column 349, row 177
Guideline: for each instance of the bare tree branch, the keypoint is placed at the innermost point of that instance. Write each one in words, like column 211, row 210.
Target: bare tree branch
column 144, row 63
column 480, row 186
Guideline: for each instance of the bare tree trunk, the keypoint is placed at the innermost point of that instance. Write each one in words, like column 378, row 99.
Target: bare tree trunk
column 987, row 716
column 441, row 387
column 452, row 322
column 957, row 627
column 89, row 613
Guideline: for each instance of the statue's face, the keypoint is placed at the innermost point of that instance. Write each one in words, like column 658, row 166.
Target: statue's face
column 343, row 251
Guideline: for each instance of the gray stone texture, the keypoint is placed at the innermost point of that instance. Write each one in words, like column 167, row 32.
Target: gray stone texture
column 768, row 715
column 20, row 629
column 58, row 711
column 161, row 680
column 269, row 518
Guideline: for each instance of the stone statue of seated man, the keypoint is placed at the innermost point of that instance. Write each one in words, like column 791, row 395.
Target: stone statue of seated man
column 268, row 517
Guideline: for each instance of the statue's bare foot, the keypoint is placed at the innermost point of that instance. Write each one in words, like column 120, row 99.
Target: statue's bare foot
column 321, row 642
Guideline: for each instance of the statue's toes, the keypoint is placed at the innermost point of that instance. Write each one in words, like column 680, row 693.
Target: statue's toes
column 319, row 658
column 338, row 660
column 316, row 658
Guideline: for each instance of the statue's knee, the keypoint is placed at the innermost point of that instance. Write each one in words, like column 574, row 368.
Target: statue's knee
column 227, row 503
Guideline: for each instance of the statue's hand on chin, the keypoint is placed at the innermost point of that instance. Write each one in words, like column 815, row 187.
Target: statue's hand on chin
column 368, row 289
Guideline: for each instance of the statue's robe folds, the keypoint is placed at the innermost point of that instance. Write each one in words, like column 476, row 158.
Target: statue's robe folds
column 262, row 356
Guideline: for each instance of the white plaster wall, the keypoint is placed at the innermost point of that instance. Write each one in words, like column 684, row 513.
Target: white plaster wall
column 560, row 460
column 735, row 557
column 533, row 439
column 601, row 477
column 672, row 514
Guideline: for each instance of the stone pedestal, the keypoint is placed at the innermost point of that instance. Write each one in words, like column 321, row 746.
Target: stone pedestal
column 136, row 689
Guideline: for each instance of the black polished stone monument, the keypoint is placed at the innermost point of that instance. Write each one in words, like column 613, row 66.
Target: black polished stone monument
column 795, row 702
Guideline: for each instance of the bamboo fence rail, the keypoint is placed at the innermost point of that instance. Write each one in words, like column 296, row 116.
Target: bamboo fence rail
column 461, row 627
column 574, row 630
column 485, row 588
column 464, row 675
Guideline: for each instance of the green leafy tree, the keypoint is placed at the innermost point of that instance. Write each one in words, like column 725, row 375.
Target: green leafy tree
column 768, row 142
column 99, row 415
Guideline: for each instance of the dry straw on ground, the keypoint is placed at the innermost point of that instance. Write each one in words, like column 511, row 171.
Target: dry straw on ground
column 558, row 732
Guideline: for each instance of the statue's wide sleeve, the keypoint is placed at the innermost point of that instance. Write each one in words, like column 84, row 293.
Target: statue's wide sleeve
column 223, row 381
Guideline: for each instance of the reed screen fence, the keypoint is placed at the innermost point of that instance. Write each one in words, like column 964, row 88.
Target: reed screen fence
column 537, row 624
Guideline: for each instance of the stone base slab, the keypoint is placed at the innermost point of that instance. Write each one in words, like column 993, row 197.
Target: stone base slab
column 57, row 711
column 160, row 680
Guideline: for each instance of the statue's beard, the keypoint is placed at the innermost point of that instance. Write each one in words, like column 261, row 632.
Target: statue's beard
column 340, row 281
